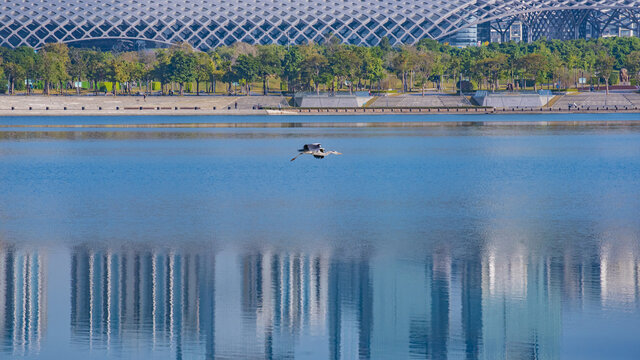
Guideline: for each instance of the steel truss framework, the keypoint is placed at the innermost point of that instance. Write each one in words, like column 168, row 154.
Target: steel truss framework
column 569, row 24
column 210, row 23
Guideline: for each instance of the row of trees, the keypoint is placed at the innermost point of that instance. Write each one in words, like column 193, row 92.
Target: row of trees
column 329, row 66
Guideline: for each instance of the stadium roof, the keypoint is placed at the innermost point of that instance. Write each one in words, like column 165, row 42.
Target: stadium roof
column 210, row 23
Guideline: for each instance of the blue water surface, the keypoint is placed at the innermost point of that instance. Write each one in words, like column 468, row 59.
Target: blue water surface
column 474, row 243
column 195, row 119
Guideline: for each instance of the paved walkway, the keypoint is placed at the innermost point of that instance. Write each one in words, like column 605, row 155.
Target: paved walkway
column 108, row 103
column 593, row 100
column 417, row 100
column 248, row 105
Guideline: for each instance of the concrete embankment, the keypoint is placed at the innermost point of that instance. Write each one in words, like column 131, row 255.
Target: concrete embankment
column 37, row 105
column 277, row 105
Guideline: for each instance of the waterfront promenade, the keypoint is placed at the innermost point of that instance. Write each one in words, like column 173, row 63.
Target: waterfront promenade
column 56, row 105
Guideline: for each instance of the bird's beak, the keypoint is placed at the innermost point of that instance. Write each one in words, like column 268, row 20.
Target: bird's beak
column 338, row 153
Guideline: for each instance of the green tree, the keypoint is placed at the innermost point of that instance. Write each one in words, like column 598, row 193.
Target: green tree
column 603, row 67
column 116, row 73
column 218, row 72
column 135, row 67
column 147, row 61
column 385, row 46
column 18, row 65
column 533, row 67
column 14, row 73
column 572, row 61
column 97, row 67
column 227, row 76
column 52, row 64
column 269, row 63
column 205, row 69
column 632, row 62
column 122, row 70
column 437, row 67
column 161, row 70
column 587, row 61
column 373, row 67
column 182, row 67
column 493, row 68
column 245, row 71
column 332, row 63
column 401, row 63
column 78, row 65
column 291, row 66
column 314, row 67
column 344, row 65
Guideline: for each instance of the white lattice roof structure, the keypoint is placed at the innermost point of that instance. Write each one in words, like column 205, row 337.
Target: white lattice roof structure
column 210, row 23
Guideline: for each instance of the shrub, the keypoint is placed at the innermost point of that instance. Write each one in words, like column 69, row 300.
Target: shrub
column 467, row 86
column 614, row 78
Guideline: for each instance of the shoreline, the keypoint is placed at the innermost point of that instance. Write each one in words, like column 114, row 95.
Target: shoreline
column 306, row 112
column 60, row 106
column 410, row 124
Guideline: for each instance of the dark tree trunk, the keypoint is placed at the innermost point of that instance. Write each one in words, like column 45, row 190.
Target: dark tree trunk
column 404, row 82
column 264, row 85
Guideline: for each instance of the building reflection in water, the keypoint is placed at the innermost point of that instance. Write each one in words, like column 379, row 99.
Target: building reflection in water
column 23, row 299
column 501, row 301
column 619, row 274
column 283, row 294
column 288, row 295
column 521, row 309
column 162, row 297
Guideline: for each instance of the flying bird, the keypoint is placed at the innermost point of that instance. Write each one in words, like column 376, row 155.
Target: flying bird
column 316, row 150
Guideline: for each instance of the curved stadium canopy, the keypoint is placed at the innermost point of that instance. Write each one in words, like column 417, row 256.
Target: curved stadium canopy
column 210, row 23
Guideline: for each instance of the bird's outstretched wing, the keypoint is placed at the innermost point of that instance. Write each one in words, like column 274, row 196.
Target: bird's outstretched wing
column 295, row 157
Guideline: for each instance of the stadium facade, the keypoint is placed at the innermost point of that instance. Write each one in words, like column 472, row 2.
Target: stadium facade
column 210, row 23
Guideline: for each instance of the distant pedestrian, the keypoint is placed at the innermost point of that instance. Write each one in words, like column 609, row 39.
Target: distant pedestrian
column 144, row 97
column 236, row 105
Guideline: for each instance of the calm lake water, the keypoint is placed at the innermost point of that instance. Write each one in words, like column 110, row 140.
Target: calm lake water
column 97, row 120
column 458, row 243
